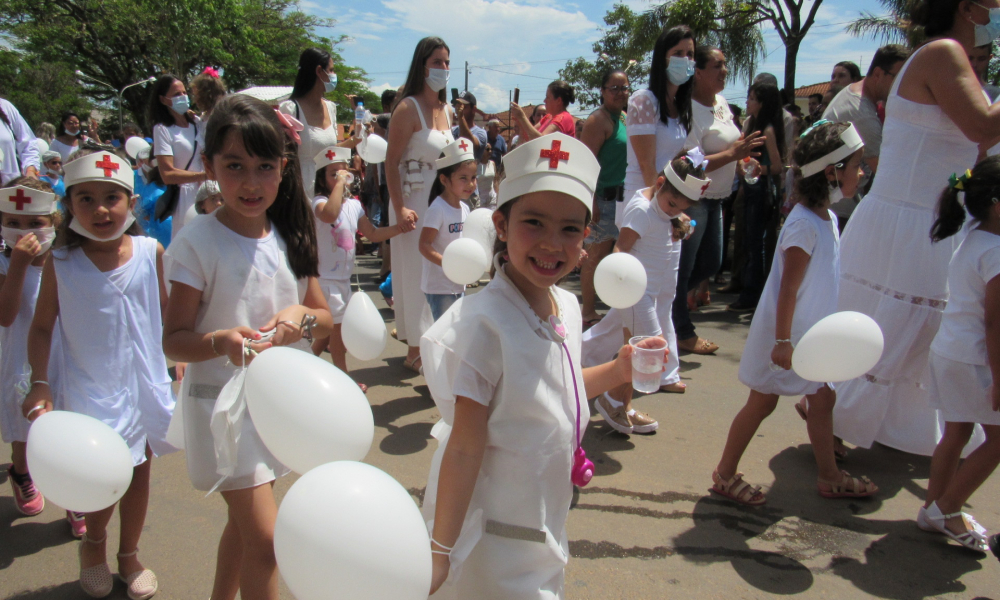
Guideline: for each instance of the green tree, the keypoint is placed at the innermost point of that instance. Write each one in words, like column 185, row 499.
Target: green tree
column 892, row 27
column 119, row 42
column 41, row 91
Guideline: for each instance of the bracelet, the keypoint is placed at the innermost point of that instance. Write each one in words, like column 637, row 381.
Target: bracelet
column 32, row 411
column 776, row 342
column 217, row 353
column 448, row 548
column 41, row 382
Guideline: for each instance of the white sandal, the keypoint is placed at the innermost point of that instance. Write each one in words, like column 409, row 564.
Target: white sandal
column 971, row 539
column 924, row 523
column 96, row 581
column 141, row 584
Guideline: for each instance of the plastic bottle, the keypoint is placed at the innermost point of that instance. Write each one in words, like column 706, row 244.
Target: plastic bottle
column 359, row 119
column 751, row 173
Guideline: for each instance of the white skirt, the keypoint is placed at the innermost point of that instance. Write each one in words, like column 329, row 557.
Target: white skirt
column 961, row 391
column 338, row 294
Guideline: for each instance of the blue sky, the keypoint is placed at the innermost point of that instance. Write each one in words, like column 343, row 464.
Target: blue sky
column 524, row 43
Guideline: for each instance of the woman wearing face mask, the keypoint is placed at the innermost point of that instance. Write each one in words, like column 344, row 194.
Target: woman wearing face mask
column 307, row 104
column 69, row 135
column 178, row 141
column 421, row 128
column 937, row 117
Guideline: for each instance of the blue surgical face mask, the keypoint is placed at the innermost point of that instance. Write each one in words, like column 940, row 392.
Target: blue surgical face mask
column 330, row 85
column 680, row 69
column 437, row 79
column 180, row 104
column 991, row 31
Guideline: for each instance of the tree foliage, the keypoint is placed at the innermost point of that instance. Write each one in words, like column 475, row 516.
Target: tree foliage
column 119, row 42
column 41, row 91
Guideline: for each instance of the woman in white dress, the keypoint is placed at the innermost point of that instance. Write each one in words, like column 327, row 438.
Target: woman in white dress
column 421, row 128
column 316, row 78
column 178, row 142
column 936, row 117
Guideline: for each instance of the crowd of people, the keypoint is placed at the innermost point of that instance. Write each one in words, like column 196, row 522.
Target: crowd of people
column 234, row 229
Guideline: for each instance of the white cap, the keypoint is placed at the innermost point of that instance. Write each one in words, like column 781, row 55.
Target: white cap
column 99, row 166
column 21, row 200
column 852, row 143
column 692, row 187
column 332, row 154
column 456, row 152
column 555, row 163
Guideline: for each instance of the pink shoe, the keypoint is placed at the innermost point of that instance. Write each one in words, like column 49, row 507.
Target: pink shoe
column 27, row 498
column 77, row 525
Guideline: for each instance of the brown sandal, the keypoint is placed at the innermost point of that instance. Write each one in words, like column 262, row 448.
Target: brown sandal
column 737, row 490
column 839, row 449
column 847, row 487
column 698, row 346
column 416, row 365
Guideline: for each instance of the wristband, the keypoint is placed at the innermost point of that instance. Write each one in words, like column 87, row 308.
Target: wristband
column 40, row 382
column 446, row 548
column 776, row 342
column 32, row 411
column 217, row 353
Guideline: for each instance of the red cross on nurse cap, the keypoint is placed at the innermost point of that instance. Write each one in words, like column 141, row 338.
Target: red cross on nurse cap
column 100, row 166
column 332, row 154
column 554, row 162
column 456, row 152
column 20, row 200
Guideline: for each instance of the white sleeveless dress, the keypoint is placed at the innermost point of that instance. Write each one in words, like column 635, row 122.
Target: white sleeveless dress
column 416, row 175
column 892, row 272
column 111, row 363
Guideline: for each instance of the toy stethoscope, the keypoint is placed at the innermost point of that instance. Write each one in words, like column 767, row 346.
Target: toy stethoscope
column 583, row 469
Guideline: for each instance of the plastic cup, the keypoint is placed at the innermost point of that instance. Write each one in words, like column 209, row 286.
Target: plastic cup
column 647, row 362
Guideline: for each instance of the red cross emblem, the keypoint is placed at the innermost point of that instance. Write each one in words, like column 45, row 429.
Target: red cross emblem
column 330, row 154
column 554, row 154
column 20, row 199
column 463, row 145
column 107, row 165
column 705, row 187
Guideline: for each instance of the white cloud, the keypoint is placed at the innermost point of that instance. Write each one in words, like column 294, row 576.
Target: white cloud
column 378, row 89
column 490, row 98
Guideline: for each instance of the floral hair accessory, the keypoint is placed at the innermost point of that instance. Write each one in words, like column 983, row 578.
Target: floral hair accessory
column 957, row 182
column 696, row 156
column 813, row 126
column 291, row 124
column 211, row 71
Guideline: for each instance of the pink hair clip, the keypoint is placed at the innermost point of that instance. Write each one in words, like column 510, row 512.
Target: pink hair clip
column 211, row 71
column 291, row 124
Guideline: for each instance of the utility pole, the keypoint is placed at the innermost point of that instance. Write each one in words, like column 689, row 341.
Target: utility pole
column 466, row 75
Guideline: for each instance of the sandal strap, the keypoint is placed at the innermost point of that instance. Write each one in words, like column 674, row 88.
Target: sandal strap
column 128, row 554
column 87, row 539
column 738, row 487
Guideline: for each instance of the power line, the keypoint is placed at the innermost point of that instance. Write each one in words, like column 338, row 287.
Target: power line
column 533, row 62
column 514, row 74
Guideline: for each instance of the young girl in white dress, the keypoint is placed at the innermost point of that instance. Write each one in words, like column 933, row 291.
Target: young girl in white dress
column 248, row 268
column 503, row 366
column 965, row 355
column 443, row 222
column 801, row 290
column 28, row 209
column 104, row 283
column 648, row 232
column 339, row 217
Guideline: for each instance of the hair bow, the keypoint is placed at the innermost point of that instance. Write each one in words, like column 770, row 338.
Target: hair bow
column 291, row 124
column 813, row 126
column 697, row 157
column 957, row 182
column 211, row 71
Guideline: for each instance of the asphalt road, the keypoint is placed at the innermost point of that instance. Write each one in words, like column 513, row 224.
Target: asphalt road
column 645, row 527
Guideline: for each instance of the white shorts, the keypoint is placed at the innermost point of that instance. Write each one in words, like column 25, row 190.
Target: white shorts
column 961, row 391
column 338, row 294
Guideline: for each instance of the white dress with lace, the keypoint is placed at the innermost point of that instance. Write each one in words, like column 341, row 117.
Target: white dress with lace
column 892, row 272
column 643, row 118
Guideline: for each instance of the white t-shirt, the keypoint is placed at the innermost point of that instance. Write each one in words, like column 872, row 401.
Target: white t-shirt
column 264, row 253
column 449, row 222
column 643, row 118
column 962, row 335
column 655, row 238
column 485, row 174
column 336, row 241
column 178, row 142
column 713, row 129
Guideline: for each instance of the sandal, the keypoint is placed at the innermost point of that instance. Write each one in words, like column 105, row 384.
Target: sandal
column 971, row 539
column 839, row 449
column 416, row 365
column 394, row 335
column 703, row 299
column 924, row 522
column 364, row 388
column 737, row 490
column 674, row 388
column 141, row 584
column 698, row 346
column 847, row 487
column 96, row 581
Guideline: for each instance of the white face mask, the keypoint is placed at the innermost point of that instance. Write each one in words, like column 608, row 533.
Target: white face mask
column 75, row 226
column 437, row 79
column 45, row 236
column 989, row 32
column 680, row 69
column 836, row 194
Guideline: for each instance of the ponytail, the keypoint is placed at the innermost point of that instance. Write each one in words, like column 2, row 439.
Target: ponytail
column 951, row 215
column 976, row 191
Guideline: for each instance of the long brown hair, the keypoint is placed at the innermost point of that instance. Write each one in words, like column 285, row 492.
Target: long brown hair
column 415, row 77
column 263, row 136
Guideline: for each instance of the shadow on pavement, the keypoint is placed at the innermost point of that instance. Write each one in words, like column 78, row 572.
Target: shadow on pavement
column 64, row 591
column 27, row 538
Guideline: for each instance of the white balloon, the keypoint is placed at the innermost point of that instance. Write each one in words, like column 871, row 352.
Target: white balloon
column 134, row 144
column 839, row 347
column 372, row 149
column 349, row 531
column 620, row 280
column 42, row 146
column 363, row 329
column 78, row 462
column 190, row 215
column 479, row 226
column 464, row 261
column 307, row 411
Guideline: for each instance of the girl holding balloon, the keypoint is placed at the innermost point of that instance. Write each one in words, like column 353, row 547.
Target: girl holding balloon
column 247, row 270
column 965, row 355
column 339, row 217
column 28, row 228
column 503, row 368
column 104, row 283
column 801, row 290
column 443, row 222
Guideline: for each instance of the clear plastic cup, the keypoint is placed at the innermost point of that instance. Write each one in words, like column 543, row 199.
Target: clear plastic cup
column 647, row 362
